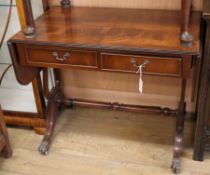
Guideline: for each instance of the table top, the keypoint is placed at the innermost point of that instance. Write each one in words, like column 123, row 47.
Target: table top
column 114, row 28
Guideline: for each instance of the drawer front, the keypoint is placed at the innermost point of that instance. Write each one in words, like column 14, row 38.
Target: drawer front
column 155, row 65
column 47, row 56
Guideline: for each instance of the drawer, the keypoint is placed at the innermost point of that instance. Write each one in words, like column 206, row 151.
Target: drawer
column 51, row 56
column 156, row 65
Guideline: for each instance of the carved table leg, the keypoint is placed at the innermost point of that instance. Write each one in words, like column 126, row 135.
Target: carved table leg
column 43, row 148
column 176, row 164
column 185, row 35
column 54, row 97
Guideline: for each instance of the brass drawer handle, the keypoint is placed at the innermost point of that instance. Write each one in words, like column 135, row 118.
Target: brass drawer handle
column 58, row 58
column 133, row 62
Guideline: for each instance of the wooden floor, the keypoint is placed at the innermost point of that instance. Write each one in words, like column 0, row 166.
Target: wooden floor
column 103, row 142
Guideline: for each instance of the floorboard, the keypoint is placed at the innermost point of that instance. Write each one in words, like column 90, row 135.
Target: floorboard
column 103, row 142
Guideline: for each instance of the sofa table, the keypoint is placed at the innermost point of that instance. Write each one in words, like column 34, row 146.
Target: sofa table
column 104, row 39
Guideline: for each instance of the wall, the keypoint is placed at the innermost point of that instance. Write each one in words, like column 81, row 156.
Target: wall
column 145, row 4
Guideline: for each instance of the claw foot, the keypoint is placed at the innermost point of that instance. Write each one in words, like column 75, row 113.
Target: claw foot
column 175, row 166
column 43, row 148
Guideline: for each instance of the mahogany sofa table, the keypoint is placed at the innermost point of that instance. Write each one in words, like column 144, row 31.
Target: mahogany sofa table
column 105, row 39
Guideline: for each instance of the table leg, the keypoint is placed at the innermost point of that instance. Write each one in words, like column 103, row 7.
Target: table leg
column 176, row 164
column 186, row 8
column 44, row 147
column 54, row 97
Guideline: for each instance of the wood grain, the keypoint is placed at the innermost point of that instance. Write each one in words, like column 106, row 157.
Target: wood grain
column 103, row 142
column 155, row 66
column 155, row 31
